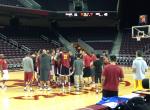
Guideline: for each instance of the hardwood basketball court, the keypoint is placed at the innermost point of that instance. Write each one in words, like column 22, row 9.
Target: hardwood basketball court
column 14, row 97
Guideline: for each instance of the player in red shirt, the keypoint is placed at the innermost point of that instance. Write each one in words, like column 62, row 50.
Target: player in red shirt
column 111, row 76
column 93, row 56
column 38, row 65
column 65, row 61
column 57, row 60
column 65, row 66
column 93, row 59
column 3, row 70
column 87, row 66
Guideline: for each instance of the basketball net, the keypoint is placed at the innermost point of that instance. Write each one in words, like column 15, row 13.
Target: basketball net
column 138, row 38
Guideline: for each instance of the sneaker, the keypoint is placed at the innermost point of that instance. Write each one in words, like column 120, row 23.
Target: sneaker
column 4, row 87
column 25, row 89
column 41, row 88
column 63, row 90
column 48, row 89
column 31, row 89
column 77, row 89
column 97, row 91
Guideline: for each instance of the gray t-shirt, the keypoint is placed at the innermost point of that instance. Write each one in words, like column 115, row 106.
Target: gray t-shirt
column 27, row 64
column 45, row 62
column 78, row 67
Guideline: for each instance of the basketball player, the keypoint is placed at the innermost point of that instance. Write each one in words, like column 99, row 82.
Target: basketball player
column 3, row 70
column 38, row 65
column 78, row 72
column 65, row 66
column 93, row 58
column 45, row 66
column 87, row 66
column 98, row 66
column 57, row 60
column 72, row 58
column 51, row 72
column 35, row 76
column 111, row 76
column 28, row 68
column 139, row 66
column 53, row 53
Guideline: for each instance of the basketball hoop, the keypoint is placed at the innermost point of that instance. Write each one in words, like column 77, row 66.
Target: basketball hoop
column 140, row 32
column 138, row 38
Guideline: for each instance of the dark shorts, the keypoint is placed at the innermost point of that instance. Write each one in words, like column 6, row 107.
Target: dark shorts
column 64, row 70
column 92, row 71
column 35, row 68
column 57, row 69
column 44, row 75
column 87, row 72
column 107, row 93
column 97, row 77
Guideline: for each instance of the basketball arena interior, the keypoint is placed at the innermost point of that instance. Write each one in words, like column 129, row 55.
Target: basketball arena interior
column 34, row 28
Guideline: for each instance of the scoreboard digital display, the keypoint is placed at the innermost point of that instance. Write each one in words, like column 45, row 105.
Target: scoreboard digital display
column 89, row 14
column 83, row 14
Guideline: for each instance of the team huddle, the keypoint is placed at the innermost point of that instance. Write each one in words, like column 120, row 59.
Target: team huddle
column 83, row 69
column 63, row 68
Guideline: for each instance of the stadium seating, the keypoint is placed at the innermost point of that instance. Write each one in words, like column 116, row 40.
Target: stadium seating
column 129, row 46
column 12, row 54
column 28, row 36
column 54, row 5
column 14, row 63
column 99, row 39
column 9, row 50
column 101, row 45
column 102, row 5
column 88, row 34
column 10, row 2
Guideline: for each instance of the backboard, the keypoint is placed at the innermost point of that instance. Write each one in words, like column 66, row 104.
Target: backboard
column 139, row 32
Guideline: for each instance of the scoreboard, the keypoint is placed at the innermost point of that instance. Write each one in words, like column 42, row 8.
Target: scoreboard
column 85, row 18
column 85, row 14
column 91, row 14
